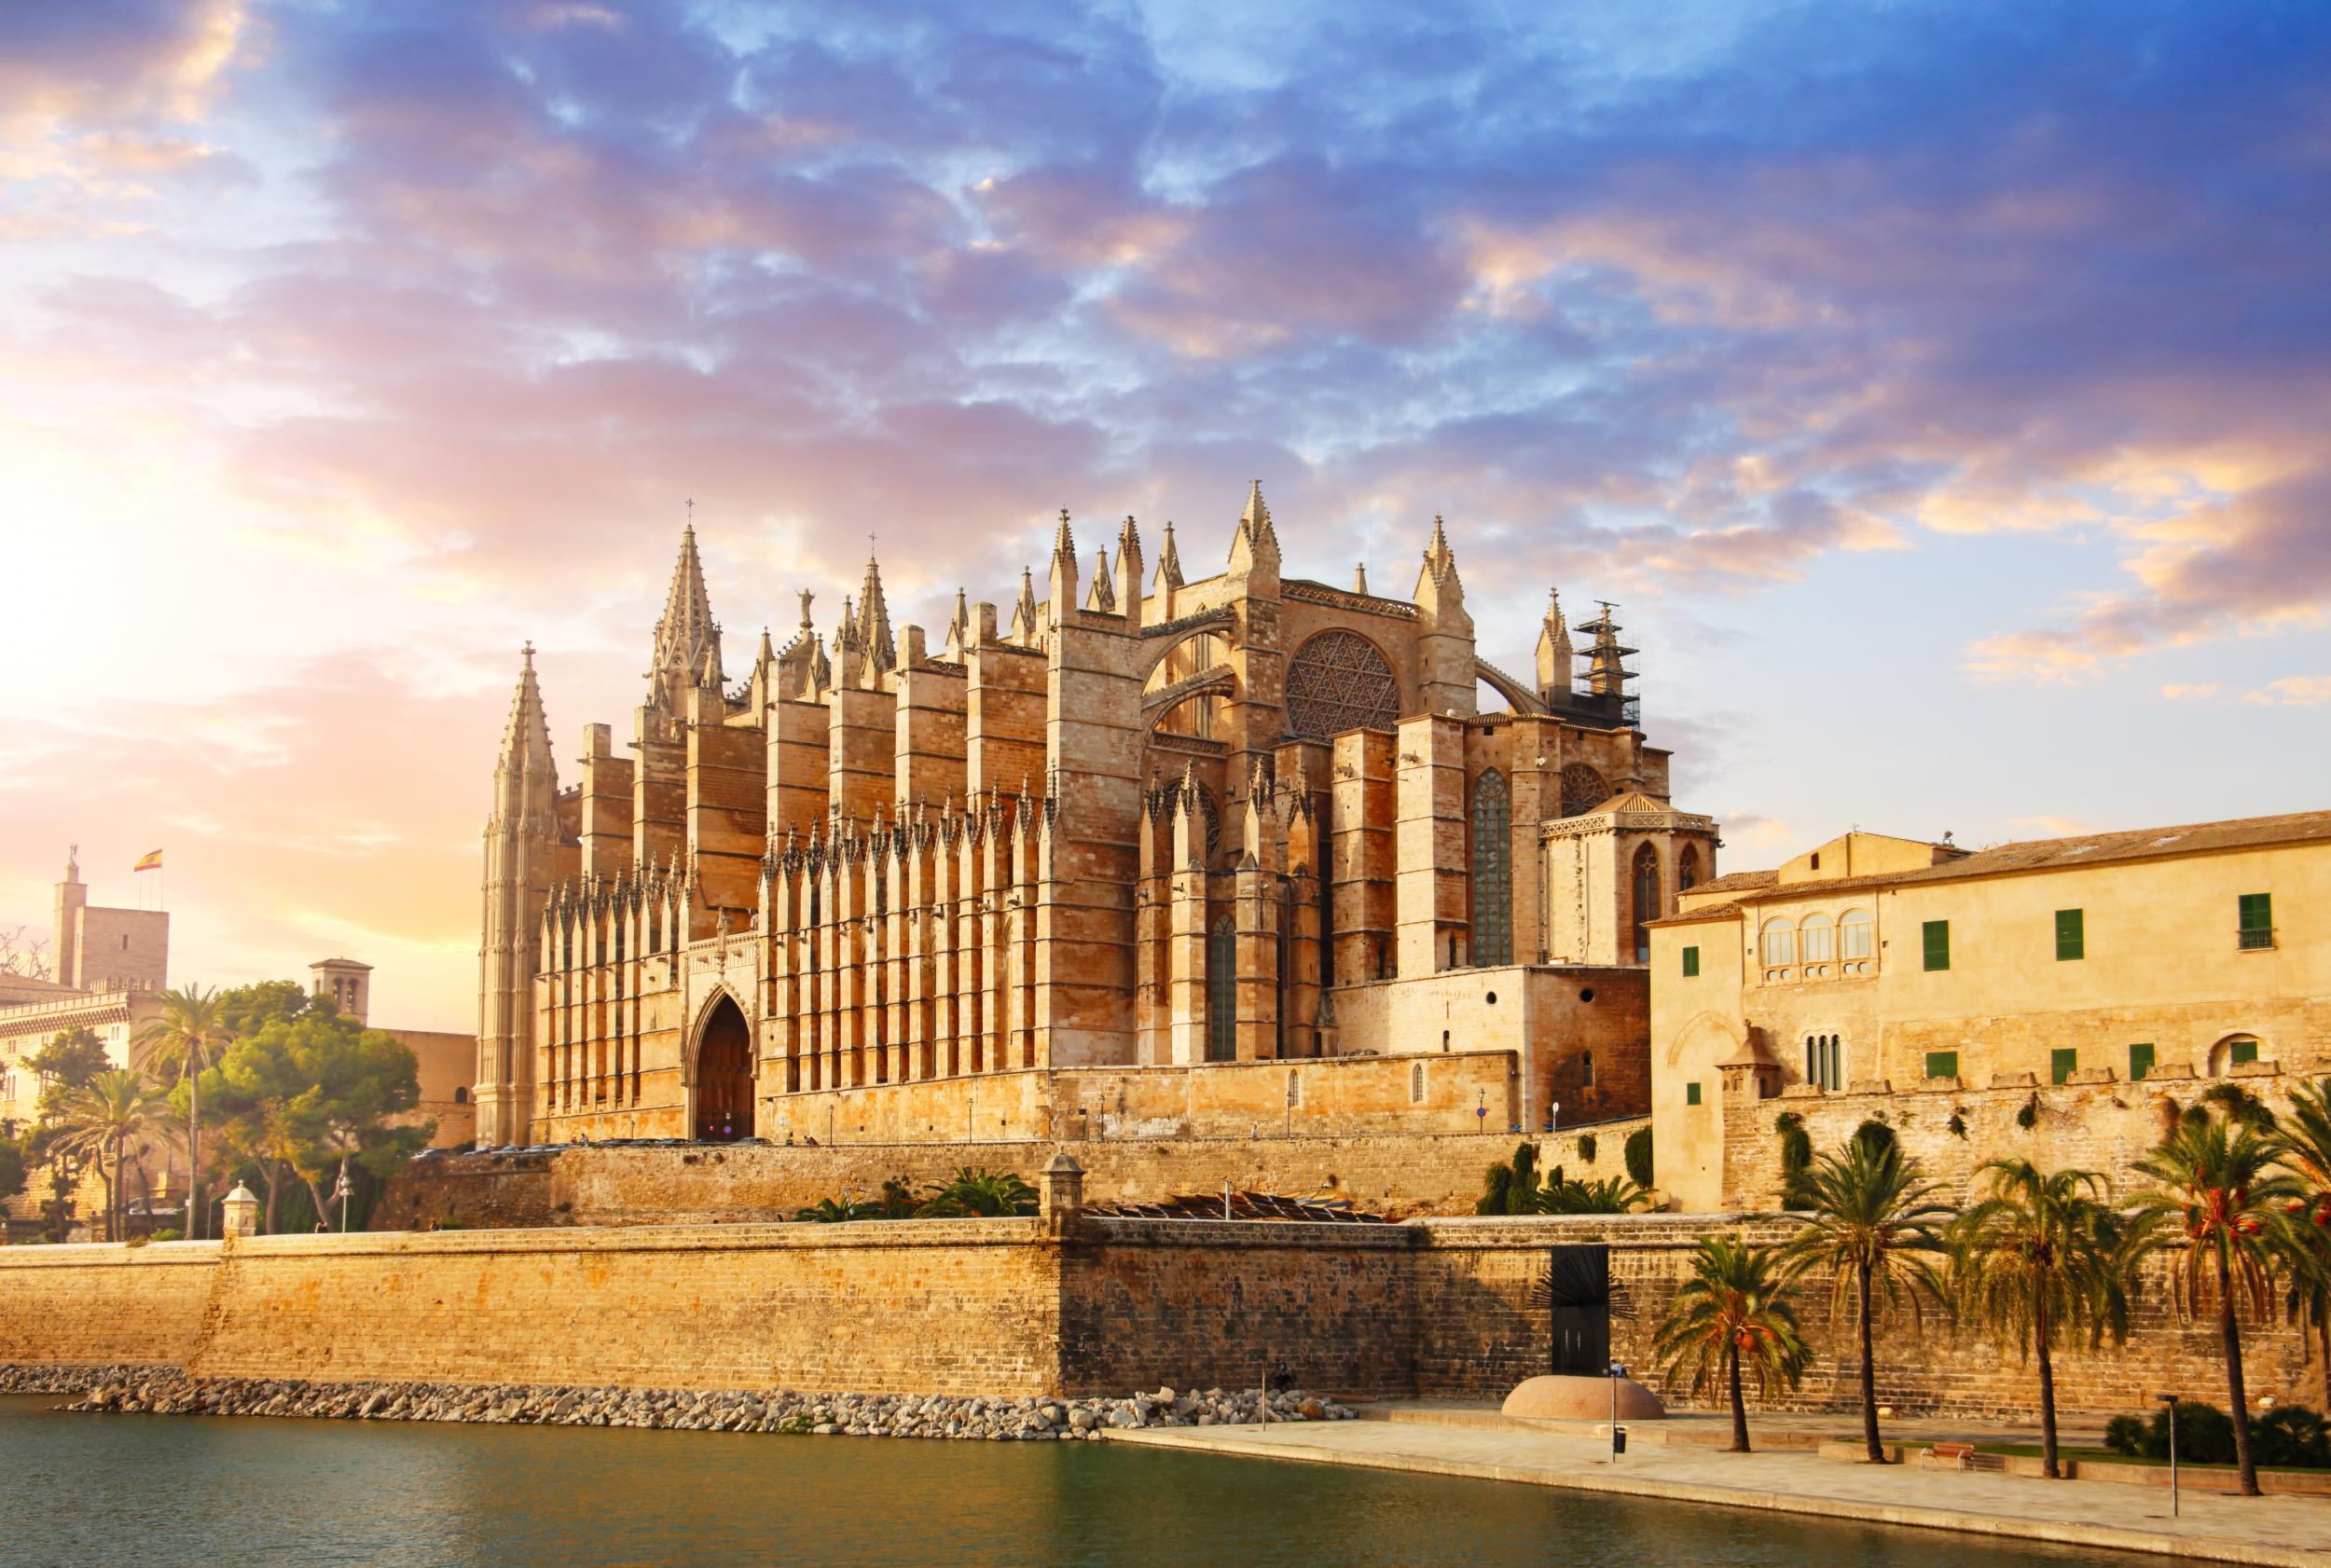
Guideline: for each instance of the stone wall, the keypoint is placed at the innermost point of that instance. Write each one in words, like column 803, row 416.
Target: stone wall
column 1437, row 1307
column 2104, row 1126
column 705, row 1183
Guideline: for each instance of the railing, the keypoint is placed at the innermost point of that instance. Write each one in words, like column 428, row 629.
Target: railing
column 2252, row 938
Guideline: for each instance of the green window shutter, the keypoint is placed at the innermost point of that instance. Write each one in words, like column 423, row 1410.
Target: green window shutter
column 1692, row 1094
column 2257, row 919
column 1936, row 934
column 2063, row 1064
column 1691, row 962
column 1943, row 1064
column 2070, row 936
column 2140, row 1063
column 2242, row 1051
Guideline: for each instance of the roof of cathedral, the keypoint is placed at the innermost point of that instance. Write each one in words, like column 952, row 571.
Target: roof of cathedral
column 1739, row 881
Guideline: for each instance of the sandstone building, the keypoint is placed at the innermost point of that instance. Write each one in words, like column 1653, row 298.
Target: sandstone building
column 443, row 1059
column 1100, row 860
column 1948, row 990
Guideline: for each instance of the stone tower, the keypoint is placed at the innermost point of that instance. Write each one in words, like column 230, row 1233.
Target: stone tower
column 521, row 835
column 72, row 898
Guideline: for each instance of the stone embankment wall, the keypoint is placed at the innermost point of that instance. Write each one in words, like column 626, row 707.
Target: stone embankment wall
column 995, row 1307
column 1397, row 1176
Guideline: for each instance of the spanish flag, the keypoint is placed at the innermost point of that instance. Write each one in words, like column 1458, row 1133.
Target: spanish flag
column 151, row 862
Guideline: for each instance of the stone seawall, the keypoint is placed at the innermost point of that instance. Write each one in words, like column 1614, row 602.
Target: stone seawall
column 996, row 1308
column 704, row 1184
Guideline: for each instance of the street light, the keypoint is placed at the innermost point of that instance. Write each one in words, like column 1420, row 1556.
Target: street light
column 340, row 1190
column 1618, row 1434
column 2171, row 1400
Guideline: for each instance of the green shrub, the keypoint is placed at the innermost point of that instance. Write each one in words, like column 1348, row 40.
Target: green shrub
column 2125, row 1434
column 169, row 1233
column 2293, row 1435
column 2027, row 1117
column 2205, row 1434
column 1639, row 1156
column 1957, row 1124
column 1796, row 1143
column 1874, row 1136
column 1586, row 1149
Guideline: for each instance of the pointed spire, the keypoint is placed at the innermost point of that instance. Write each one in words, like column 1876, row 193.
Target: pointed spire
column 1103, row 595
column 1439, row 558
column 874, row 619
column 1024, row 612
column 1257, row 517
column 526, row 740
column 1256, row 543
column 686, row 627
column 1168, row 560
column 1554, row 655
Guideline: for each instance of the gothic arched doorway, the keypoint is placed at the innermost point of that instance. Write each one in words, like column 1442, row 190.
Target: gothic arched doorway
column 724, row 1077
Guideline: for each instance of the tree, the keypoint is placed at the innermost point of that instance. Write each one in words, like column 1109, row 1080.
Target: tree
column 978, row 1194
column 15, row 1168
column 1611, row 1195
column 24, row 955
column 1872, row 1223
column 64, row 1065
column 98, row 1118
column 1732, row 1314
column 176, row 1044
column 1637, row 1154
column 2307, row 1153
column 304, row 1092
column 2218, row 1215
column 246, row 1009
column 1511, row 1186
column 2039, row 1257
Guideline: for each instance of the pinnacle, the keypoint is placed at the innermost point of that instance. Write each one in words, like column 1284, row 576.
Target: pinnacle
column 1063, row 544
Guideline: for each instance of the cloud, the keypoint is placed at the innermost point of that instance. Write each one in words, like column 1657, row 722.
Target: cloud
column 2190, row 690
column 2292, row 691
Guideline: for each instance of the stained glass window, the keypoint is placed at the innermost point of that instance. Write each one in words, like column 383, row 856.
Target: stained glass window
column 1221, row 992
column 1338, row 681
column 1492, row 870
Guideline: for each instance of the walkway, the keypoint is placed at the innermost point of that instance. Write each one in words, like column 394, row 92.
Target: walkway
column 2283, row 1532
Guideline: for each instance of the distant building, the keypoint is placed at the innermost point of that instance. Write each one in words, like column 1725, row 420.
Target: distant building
column 446, row 1060
column 110, row 967
column 1911, row 980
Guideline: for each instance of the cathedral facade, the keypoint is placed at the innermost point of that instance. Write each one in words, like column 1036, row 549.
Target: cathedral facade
column 1135, row 822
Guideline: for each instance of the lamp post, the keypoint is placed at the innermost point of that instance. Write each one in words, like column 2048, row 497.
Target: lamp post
column 340, row 1190
column 2171, row 1400
column 1617, row 1437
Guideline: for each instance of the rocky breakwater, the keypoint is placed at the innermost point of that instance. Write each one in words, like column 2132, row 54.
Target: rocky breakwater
column 1024, row 1419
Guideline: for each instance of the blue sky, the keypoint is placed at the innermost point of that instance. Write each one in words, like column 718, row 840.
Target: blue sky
column 1940, row 390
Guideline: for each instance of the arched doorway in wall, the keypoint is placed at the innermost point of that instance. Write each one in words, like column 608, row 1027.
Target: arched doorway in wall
column 722, row 1103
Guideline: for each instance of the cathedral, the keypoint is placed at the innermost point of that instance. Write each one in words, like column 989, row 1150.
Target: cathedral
column 1138, row 824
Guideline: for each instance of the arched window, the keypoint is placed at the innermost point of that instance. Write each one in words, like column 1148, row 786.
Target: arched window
column 1825, row 1062
column 1780, row 944
column 1416, row 1084
column 1221, row 992
column 1688, row 869
column 461, row 1094
column 1816, row 939
column 1492, row 870
column 1854, row 941
column 1582, row 789
column 1646, row 899
column 2232, row 1051
column 1338, row 681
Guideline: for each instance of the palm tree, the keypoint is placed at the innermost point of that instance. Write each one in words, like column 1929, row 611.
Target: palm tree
column 186, row 1036
column 2218, row 1215
column 97, row 1119
column 1731, row 1314
column 1872, row 1224
column 982, row 1193
column 1615, row 1194
column 2307, row 1153
column 2039, row 1257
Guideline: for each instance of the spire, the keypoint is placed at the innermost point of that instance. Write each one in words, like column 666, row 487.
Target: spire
column 874, row 619
column 1360, row 578
column 1064, row 544
column 1438, row 591
column 526, row 740
column 686, row 625
column 1168, row 560
column 1257, row 543
column 959, row 625
column 1553, row 651
column 1103, row 596
column 1063, row 577
column 1439, row 558
column 1024, row 613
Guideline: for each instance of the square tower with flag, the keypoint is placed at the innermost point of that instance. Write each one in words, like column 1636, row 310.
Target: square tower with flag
column 99, row 948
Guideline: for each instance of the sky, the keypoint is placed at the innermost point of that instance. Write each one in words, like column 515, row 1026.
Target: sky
column 1940, row 390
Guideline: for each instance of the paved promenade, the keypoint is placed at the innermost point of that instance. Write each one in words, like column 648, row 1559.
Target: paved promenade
column 2286, row 1532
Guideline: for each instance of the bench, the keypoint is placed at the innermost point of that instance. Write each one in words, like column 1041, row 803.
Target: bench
column 1961, row 1455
